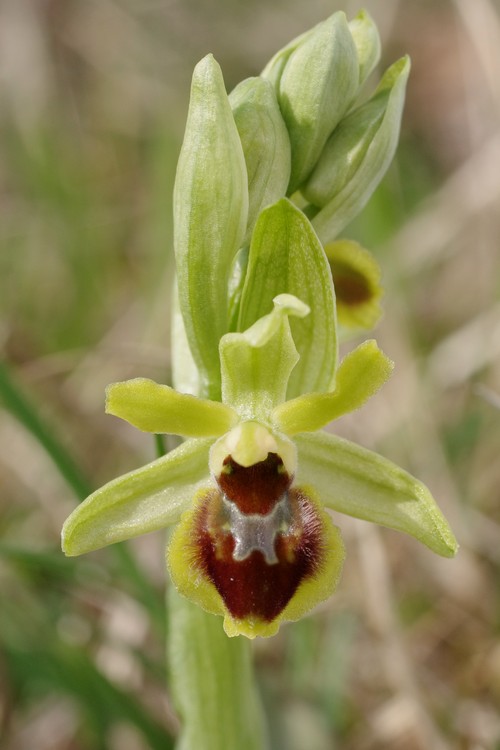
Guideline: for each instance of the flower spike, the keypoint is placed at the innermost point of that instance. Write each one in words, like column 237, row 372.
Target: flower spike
column 267, row 179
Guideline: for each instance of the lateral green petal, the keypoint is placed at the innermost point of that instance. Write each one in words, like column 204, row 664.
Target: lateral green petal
column 352, row 480
column 210, row 215
column 158, row 408
column 141, row 501
column 256, row 364
column 286, row 256
column 359, row 376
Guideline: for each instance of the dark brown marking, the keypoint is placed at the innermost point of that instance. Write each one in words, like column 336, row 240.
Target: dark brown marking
column 351, row 287
column 252, row 587
column 254, row 489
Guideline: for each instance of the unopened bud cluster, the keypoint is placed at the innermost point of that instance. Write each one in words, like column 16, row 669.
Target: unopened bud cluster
column 303, row 130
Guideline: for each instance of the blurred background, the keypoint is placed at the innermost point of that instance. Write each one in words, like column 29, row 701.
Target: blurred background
column 93, row 101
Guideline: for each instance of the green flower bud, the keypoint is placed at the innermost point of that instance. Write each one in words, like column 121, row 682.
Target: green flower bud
column 265, row 142
column 319, row 82
column 357, row 155
column 367, row 41
column 210, row 216
column 344, row 151
column 276, row 65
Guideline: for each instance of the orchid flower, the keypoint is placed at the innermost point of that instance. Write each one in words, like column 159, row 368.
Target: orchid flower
column 248, row 491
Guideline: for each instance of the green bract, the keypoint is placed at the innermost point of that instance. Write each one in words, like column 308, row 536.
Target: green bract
column 286, row 256
column 210, row 217
column 265, row 142
column 252, row 426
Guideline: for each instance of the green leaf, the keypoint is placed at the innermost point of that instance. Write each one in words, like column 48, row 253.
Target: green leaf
column 16, row 402
column 144, row 500
column 44, row 564
column 357, row 155
column 360, row 483
column 265, row 142
column 210, row 215
column 55, row 667
column 367, row 41
column 256, row 364
column 158, row 408
column 319, row 82
column 286, row 257
column 28, row 416
column 359, row 376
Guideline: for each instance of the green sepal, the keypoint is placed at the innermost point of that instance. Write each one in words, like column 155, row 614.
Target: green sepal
column 360, row 483
column 144, row 500
column 367, row 42
column 356, row 278
column 286, row 256
column 357, row 155
column 265, row 142
column 152, row 407
column 318, row 84
column 210, row 215
column 256, row 364
column 359, row 376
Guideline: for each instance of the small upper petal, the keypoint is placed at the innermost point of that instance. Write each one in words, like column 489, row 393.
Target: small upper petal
column 360, row 375
column 152, row 407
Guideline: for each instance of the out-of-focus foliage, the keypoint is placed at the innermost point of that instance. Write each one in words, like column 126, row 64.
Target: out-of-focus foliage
column 93, row 100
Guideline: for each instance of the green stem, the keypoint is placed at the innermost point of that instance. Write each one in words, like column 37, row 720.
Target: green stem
column 212, row 677
column 212, row 682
